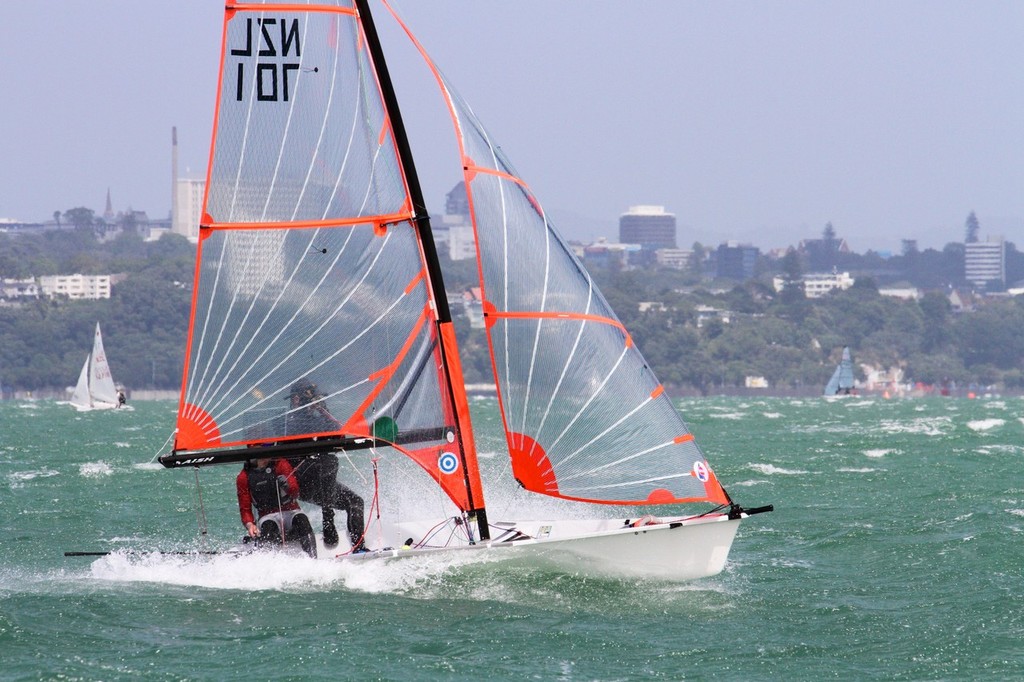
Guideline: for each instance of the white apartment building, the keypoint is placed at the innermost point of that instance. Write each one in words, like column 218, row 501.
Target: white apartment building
column 187, row 211
column 818, row 284
column 75, row 286
column 985, row 261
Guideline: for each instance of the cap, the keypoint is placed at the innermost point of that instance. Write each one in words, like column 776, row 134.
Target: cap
column 303, row 387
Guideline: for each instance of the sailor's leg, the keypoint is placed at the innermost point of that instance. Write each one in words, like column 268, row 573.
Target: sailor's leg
column 270, row 530
column 302, row 531
column 346, row 499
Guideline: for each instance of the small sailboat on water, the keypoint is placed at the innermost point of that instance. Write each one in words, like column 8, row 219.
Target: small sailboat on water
column 96, row 389
column 316, row 263
column 842, row 381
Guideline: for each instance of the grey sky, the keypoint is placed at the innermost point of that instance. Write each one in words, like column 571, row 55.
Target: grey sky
column 757, row 122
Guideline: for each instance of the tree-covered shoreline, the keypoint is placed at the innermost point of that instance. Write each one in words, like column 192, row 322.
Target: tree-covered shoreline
column 697, row 339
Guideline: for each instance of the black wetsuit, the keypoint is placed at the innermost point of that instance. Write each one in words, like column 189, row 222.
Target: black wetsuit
column 318, row 476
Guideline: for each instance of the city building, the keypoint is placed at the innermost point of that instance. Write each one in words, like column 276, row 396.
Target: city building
column 187, row 211
column 75, row 286
column 186, row 198
column 676, row 259
column 11, row 288
column 817, row 285
column 985, row 262
column 736, row 261
column 649, row 226
column 604, row 254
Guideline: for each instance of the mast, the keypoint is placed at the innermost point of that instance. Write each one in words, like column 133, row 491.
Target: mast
column 422, row 221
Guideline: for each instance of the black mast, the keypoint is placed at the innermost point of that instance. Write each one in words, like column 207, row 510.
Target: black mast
column 421, row 217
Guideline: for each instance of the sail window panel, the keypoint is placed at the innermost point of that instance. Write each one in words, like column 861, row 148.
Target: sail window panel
column 333, row 305
column 299, row 132
column 586, row 400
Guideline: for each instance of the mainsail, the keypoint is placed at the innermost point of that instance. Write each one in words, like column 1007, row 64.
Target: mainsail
column 585, row 418
column 314, row 259
column 101, row 382
column 95, row 387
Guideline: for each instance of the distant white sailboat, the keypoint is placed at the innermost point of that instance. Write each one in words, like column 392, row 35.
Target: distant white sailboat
column 95, row 389
column 842, row 381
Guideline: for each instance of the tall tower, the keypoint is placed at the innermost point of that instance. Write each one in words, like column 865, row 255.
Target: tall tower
column 174, row 175
column 108, row 212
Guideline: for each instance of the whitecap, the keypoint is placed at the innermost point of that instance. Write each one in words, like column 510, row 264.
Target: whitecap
column 985, row 424
column 772, row 415
column 95, row 469
column 850, row 470
column 926, row 426
column 18, row 478
column 875, row 454
column 279, row 571
column 772, row 469
column 148, row 466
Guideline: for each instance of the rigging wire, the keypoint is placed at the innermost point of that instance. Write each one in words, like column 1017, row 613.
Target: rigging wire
column 200, row 510
column 161, row 449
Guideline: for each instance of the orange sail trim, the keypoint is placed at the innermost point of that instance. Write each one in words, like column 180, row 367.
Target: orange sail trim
column 530, row 464
column 471, row 169
column 357, row 423
column 287, row 7
column 714, row 491
column 465, row 435
column 379, row 220
column 491, row 311
column 196, row 429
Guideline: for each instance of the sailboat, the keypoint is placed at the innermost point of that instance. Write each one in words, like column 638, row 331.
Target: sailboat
column 95, row 389
column 841, row 382
column 317, row 265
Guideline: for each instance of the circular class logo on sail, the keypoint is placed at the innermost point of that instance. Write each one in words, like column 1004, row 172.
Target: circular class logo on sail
column 448, row 463
column 700, row 470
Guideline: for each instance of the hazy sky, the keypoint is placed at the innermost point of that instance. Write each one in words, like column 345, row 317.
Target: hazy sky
column 756, row 122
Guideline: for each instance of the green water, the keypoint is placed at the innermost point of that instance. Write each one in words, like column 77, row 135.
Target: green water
column 894, row 553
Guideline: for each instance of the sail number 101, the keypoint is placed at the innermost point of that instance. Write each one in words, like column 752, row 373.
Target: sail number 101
column 272, row 40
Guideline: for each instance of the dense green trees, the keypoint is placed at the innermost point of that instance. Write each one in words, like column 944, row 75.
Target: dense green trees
column 43, row 343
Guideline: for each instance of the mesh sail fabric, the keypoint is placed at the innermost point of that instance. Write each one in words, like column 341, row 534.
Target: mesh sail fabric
column 585, row 417
column 308, row 269
column 301, row 130
column 343, row 308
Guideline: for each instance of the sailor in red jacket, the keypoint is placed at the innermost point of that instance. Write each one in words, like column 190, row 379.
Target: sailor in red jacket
column 270, row 486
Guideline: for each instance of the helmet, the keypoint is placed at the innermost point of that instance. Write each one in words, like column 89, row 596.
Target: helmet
column 305, row 389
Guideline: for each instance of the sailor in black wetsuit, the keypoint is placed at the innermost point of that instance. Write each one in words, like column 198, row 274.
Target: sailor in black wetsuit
column 318, row 474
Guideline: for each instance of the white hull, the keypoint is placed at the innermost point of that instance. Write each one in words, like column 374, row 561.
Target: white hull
column 94, row 406
column 677, row 549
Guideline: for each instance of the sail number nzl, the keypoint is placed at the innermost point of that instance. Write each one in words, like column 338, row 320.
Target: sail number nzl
column 274, row 40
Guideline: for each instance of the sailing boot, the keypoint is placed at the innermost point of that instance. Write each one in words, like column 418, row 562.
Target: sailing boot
column 330, row 532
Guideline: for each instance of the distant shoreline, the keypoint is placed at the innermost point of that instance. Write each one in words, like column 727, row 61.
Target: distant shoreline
column 488, row 390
